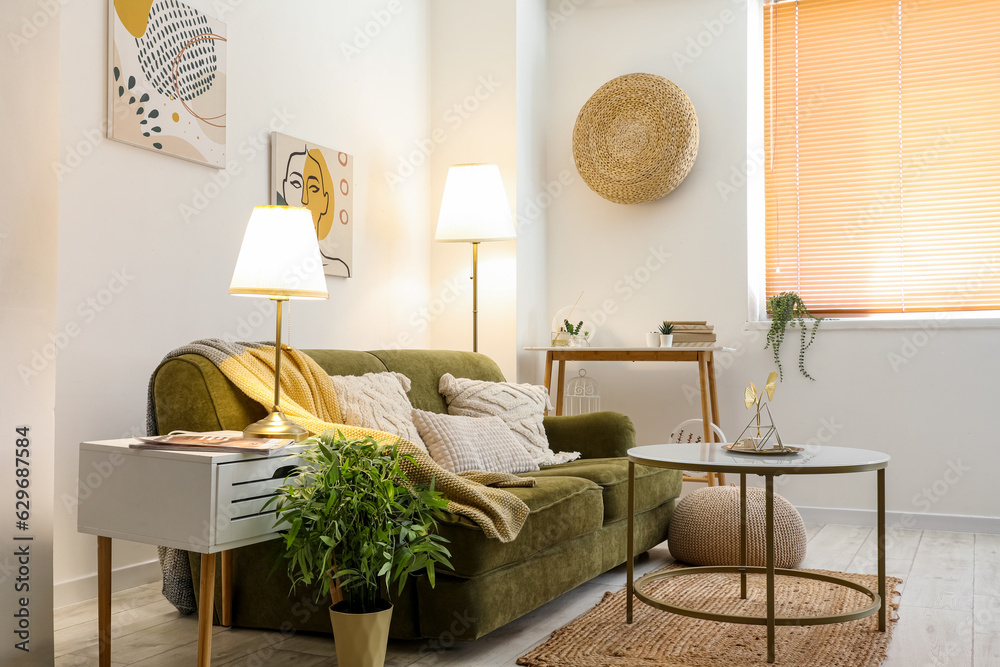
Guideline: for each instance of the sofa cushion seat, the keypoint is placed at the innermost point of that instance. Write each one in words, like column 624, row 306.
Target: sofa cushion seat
column 653, row 486
column 560, row 509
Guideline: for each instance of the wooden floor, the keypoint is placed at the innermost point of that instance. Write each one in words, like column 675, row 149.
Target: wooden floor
column 950, row 613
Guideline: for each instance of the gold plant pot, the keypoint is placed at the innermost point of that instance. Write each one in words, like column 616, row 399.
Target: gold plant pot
column 361, row 638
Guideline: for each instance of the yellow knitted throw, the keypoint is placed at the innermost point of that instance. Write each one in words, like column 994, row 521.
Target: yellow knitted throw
column 308, row 399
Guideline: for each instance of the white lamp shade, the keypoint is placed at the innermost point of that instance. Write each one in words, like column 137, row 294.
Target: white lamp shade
column 474, row 206
column 280, row 256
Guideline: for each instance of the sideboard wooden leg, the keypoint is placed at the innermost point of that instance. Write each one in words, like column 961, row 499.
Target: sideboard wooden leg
column 206, row 608
column 104, row 601
column 227, row 588
column 706, row 415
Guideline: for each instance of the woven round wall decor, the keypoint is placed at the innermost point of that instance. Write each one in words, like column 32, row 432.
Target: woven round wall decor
column 636, row 138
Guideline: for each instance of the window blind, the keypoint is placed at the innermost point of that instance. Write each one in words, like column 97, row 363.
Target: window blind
column 882, row 154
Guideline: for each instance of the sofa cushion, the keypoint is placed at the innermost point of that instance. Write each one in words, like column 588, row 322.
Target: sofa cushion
column 379, row 401
column 653, row 486
column 462, row 444
column 521, row 406
column 560, row 508
column 425, row 368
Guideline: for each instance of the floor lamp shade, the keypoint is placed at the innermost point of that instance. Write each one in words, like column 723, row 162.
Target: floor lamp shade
column 280, row 256
column 474, row 206
column 474, row 209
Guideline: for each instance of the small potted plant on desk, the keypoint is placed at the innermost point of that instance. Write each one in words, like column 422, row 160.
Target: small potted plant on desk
column 349, row 513
column 576, row 337
column 666, row 334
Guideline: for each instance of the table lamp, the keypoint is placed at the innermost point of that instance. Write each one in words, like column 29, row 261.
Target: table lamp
column 474, row 209
column 280, row 260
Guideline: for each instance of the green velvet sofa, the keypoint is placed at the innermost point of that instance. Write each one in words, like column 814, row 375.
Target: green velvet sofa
column 574, row 532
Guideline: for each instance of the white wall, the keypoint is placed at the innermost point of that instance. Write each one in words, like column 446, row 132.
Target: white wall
column 29, row 62
column 120, row 216
column 534, row 194
column 930, row 412
column 473, row 119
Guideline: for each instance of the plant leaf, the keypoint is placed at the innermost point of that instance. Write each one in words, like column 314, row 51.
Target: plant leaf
column 750, row 395
column 772, row 384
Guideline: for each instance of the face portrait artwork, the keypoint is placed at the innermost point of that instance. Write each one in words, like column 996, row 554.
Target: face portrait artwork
column 321, row 180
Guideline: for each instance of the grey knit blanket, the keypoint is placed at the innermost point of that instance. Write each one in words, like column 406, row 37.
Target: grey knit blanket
column 178, row 586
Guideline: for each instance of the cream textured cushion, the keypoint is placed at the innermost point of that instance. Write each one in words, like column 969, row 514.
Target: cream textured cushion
column 521, row 406
column 460, row 444
column 705, row 529
column 379, row 401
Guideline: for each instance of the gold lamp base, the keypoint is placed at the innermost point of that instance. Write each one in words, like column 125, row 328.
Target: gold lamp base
column 276, row 425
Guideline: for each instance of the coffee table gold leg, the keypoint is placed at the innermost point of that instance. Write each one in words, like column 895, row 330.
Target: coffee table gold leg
column 769, row 540
column 631, row 546
column 206, row 608
column 881, row 550
column 104, row 601
column 743, row 536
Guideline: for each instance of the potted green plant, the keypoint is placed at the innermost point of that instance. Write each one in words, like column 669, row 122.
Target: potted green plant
column 576, row 338
column 350, row 513
column 788, row 310
column 666, row 334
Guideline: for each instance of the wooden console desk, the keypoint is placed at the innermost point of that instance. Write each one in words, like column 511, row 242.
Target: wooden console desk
column 704, row 356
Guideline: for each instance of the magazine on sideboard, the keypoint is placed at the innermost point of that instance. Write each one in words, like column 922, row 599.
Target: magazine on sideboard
column 188, row 441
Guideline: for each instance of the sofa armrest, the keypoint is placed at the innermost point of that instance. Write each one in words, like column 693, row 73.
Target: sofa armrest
column 596, row 435
column 190, row 393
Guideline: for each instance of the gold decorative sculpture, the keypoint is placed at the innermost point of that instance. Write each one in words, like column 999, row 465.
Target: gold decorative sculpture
column 761, row 431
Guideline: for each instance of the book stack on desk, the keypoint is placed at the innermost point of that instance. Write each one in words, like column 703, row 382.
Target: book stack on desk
column 693, row 334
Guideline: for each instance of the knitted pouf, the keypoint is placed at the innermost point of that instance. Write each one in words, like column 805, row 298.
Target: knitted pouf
column 705, row 529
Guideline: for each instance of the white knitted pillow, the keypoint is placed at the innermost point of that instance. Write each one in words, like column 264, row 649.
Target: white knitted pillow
column 521, row 406
column 379, row 401
column 460, row 444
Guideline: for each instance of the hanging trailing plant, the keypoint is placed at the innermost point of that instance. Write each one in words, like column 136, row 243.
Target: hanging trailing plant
column 788, row 310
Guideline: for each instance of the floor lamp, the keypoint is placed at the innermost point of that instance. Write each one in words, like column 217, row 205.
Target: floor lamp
column 279, row 260
column 474, row 209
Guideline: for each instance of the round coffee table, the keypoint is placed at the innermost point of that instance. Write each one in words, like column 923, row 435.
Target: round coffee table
column 713, row 457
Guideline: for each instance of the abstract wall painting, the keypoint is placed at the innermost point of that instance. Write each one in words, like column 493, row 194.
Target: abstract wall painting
column 320, row 179
column 167, row 79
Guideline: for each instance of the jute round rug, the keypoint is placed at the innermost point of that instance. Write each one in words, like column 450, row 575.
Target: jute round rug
column 601, row 638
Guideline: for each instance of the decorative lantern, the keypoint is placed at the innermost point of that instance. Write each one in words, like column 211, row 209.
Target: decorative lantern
column 581, row 396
